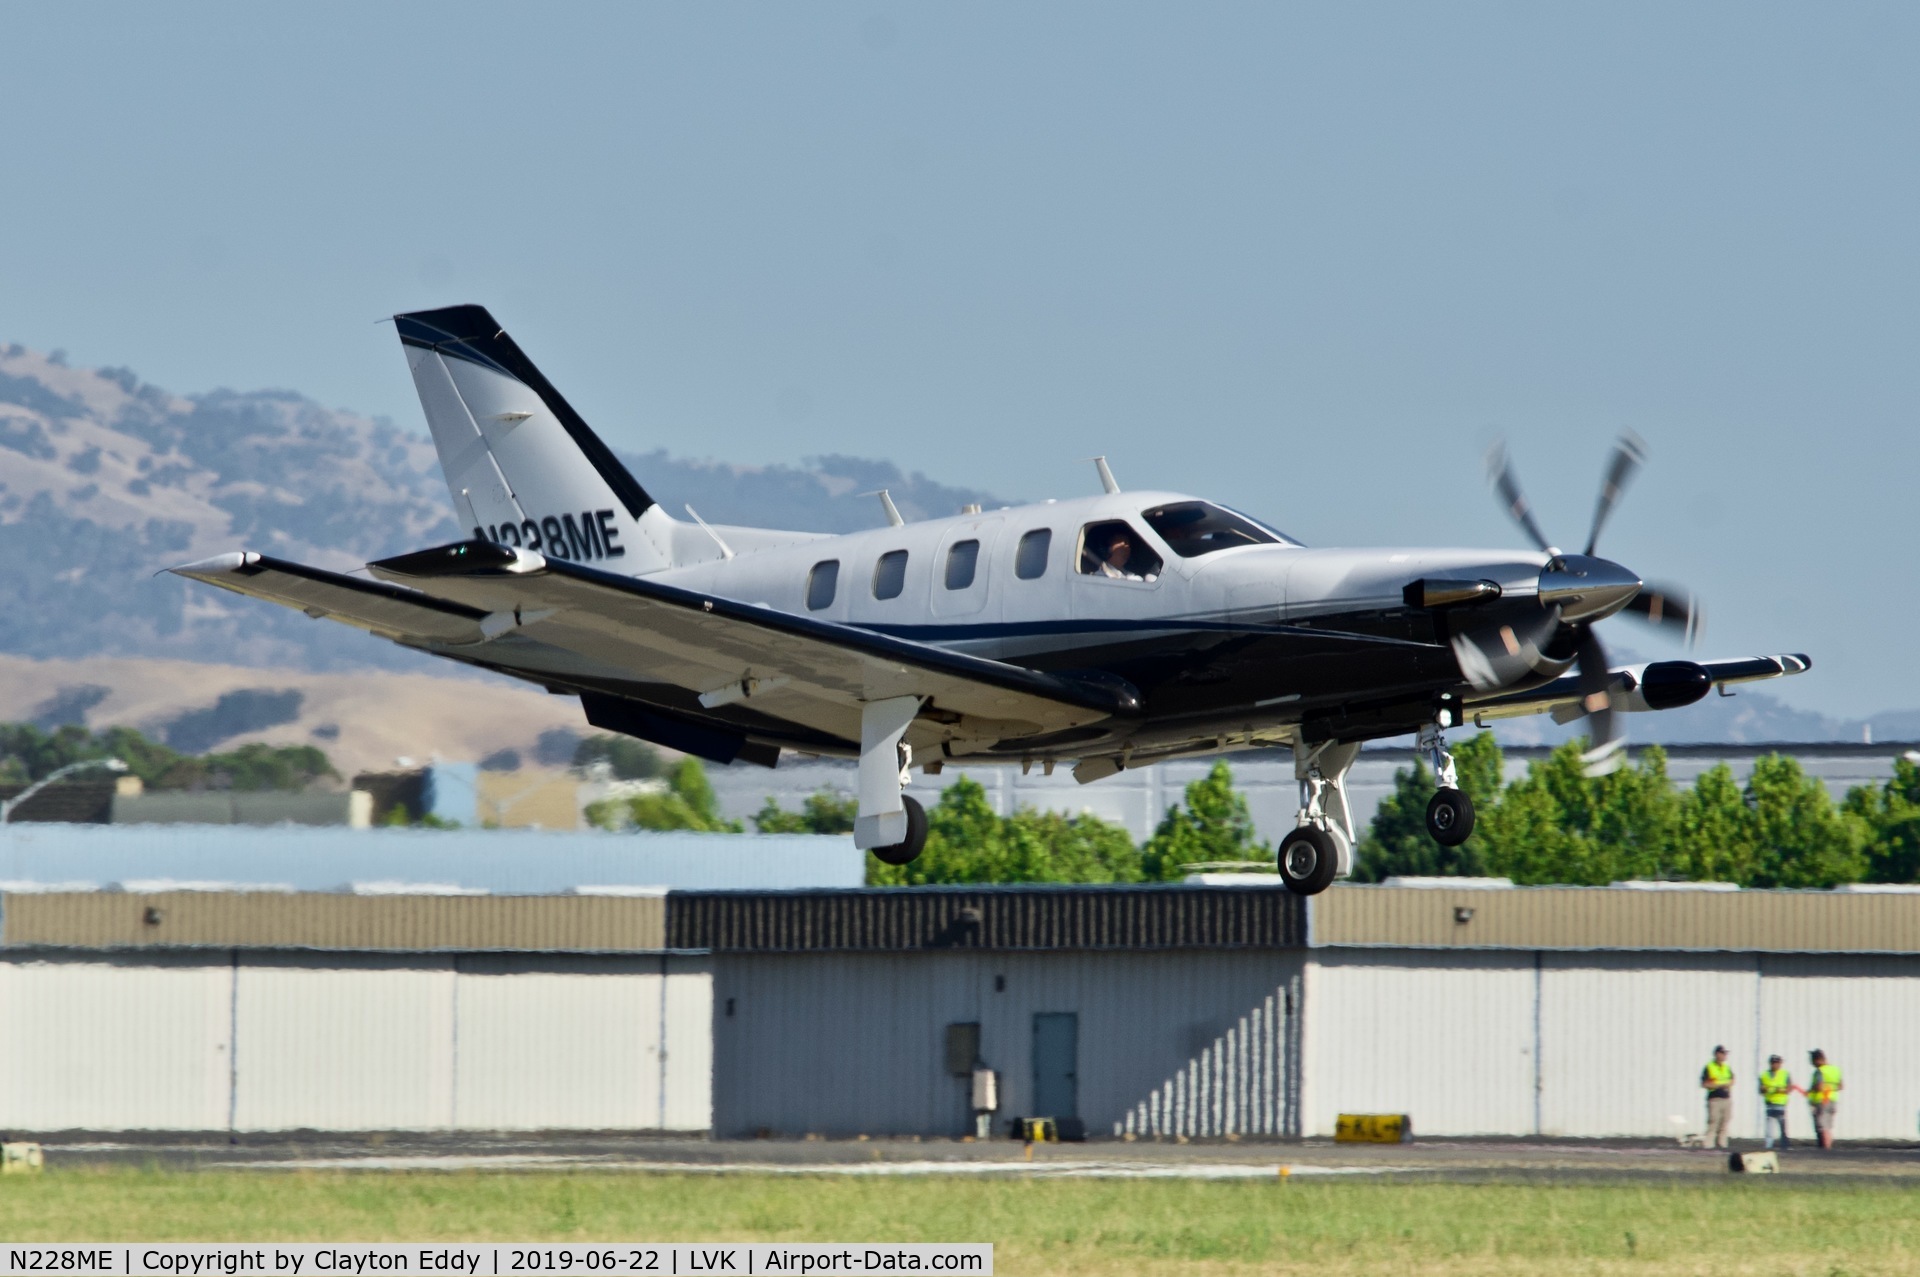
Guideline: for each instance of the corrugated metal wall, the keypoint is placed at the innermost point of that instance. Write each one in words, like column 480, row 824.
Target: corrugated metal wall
column 841, row 1044
column 1598, row 1044
column 326, row 920
column 1447, row 1038
column 1865, row 1014
column 281, row 1042
column 1617, row 918
column 1624, row 1038
column 1002, row 918
column 115, row 1045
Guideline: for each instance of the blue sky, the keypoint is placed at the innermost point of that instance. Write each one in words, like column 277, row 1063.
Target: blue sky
column 1307, row 259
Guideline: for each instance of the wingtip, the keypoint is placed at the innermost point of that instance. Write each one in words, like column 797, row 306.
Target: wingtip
column 232, row 561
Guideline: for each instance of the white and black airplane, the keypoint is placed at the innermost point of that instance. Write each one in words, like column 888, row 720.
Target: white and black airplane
column 1108, row 631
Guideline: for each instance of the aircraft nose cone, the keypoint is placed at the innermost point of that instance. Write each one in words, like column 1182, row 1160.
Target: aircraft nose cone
column 1587, row 588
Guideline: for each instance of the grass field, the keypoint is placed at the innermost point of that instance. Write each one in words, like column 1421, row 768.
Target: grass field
column 1708, row 1226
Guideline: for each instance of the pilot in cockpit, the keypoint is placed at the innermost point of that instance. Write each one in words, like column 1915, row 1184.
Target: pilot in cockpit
column 1112, row 553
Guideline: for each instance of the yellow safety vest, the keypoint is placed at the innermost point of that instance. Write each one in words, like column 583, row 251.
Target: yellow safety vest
column 1719, row 1074
column 1775, row 1086
column 1825, row 1079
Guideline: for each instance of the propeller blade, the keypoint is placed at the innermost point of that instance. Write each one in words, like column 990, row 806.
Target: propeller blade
column 1500, row 474
column 1670, row 608
column 1629, row 454
column 1606, row 747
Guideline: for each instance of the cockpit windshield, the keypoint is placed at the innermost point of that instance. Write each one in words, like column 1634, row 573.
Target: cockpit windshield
column 1193, row 528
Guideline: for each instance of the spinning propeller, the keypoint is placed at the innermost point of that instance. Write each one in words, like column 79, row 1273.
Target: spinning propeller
column 1587, row 589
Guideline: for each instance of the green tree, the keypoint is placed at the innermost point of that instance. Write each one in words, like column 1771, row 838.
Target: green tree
column 1397, row 842
column 1714, row 832
column 1803, row 839
column 629, row 759
column 686, row 803
column 967, row 841
column 1559, row 825
column 825, row 812
column 1891, row 815
column 29, row 754
column 1212, row 825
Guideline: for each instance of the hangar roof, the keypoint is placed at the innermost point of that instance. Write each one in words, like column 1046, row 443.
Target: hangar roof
column 410, row 918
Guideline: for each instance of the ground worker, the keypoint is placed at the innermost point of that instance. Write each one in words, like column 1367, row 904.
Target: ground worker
column 1776, row 1088
column 1823, row 1095
column 1717, row 1081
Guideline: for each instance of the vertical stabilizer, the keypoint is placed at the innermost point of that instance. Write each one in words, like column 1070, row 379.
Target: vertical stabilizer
column 522, row 466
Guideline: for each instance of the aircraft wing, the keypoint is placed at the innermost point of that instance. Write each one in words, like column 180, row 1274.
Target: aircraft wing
column 723, row 660
column 1653, row 686
column 374, row 606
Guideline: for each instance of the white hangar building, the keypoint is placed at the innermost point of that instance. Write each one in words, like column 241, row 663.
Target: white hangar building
column 1151, row 1011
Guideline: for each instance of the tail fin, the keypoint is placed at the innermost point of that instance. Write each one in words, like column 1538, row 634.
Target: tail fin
column 521, row 464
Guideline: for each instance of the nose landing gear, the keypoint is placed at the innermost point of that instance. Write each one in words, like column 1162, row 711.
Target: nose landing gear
column 1450, row 814
column 1321, row 848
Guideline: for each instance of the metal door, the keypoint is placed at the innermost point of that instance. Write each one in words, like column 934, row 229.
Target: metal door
column 1056, row 1064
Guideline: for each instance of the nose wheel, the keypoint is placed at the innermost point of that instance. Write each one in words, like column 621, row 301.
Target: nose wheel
column 1450, row 817
column 1450, row 814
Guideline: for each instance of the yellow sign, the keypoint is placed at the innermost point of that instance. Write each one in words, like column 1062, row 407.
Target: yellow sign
column 1373, row 1128
column 21, row 1158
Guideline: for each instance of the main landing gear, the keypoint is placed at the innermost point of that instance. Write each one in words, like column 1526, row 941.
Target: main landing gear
column 1321, row 848
column 1450, row 814
column 908, row 849
column 888, row 823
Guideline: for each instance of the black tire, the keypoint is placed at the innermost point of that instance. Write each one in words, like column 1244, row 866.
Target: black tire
column 908, row 849
column 1450, row 817
column 1308, row 861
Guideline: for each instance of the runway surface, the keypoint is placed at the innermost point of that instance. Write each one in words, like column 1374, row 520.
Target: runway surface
column 1211, row 1160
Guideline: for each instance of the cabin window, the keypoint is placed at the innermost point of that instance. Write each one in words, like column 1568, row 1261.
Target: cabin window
column 962, row 558
column 1115, row 549
column 890, row 575
column 1030, row 560
column 1193, row 528
column 820, row 584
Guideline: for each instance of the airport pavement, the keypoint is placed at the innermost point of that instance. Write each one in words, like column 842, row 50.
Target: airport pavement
column 1213, row 1159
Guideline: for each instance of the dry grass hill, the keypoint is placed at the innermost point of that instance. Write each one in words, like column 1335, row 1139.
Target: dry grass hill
column 364, row 719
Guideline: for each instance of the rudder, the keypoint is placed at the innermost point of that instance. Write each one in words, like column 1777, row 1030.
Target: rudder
column 522, row 466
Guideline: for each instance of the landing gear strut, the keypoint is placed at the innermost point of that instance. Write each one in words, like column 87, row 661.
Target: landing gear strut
column 888, row 823
column 1450, row 814
column 1321, row 848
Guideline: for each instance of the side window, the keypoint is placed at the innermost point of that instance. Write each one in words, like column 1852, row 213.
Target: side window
column 962, row 557
column 1113, row 549
column 820, row 584
column 890, row 575
column 1030, row 560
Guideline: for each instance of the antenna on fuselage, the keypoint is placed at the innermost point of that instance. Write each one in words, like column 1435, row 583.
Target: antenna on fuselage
column 726, row 551
column 886, row 503
column 1107, row 480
